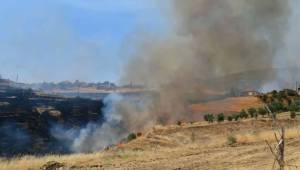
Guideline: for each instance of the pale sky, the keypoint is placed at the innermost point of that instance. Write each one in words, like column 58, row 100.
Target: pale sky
column 56, row 40
column 87, row 40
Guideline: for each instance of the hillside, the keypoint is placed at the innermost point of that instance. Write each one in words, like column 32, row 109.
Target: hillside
column 196, row 145
column 228, row 105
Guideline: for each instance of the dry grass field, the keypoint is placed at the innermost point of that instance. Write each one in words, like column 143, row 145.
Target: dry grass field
column 190, row 146
column 229, row 105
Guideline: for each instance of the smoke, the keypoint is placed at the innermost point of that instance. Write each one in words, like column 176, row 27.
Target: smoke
column 14, row 140
column 211, row 39
column 122, row 116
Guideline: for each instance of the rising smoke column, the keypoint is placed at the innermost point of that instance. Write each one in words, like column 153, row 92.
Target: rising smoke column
column 211, row 38
column 122, row 116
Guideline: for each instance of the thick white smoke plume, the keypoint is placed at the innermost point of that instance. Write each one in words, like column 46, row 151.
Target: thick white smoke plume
column 213, row 41
column 121, row 117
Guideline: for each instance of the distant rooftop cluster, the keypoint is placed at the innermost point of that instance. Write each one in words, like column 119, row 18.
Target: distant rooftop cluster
column 65, row 85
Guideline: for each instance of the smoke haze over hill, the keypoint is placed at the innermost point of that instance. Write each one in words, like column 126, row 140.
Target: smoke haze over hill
column 210, row 39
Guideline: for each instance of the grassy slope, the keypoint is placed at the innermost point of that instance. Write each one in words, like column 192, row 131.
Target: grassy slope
column 190, row 146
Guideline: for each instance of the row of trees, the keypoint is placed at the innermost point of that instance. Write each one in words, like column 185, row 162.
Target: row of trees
column 244, row 114
column 251, row 112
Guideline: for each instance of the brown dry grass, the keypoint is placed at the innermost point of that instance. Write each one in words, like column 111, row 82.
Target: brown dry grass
column 267, row 136
column 229, row 105
column 190, row 146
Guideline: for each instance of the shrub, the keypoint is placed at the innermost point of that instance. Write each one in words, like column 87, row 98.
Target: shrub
column 276, row 107
column 221, row 117
column 262, row 111
column 294, row 106
column 274, row 93
column 131, row 137
column 209, row 118
column 293, row 115
column 252, row 112
column 243, row 114
column 231, row 140
column 236, row 117
column 229, row 118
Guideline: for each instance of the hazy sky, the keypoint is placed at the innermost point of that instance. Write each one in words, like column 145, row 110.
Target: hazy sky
column 55, row 40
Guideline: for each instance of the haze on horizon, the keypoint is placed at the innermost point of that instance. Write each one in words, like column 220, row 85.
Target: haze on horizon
column 90, row 40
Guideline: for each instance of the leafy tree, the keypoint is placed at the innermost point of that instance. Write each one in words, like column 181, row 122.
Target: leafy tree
column 221, row 117
column 252, row 112
column 281, row 95
column 209, row 118
column 294, row 106
column 276, row 107
column 236, row 117
column 274, row 93
column 243, row 114
column 262, row 111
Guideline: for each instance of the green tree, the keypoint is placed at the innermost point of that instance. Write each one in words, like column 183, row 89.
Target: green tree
column 209, row 118
column 252, row 112
column 221, row 117
column 276, row 107
column 262, row 111
column 243, row 114
column 236, row 117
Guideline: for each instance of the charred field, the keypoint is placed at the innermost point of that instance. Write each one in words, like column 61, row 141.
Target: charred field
column 26, row 119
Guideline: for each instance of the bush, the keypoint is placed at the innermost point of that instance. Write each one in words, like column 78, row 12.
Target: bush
column 221, row 117
column 262, row 111
column 236, row 117
column 131, row 136
column 274, row 93
column 276, row 107
column 209, row 118
column 293, row 115
column 231, row 140
column 252, row 112
column 294, row 106
column 229, row 118
column 243, row 114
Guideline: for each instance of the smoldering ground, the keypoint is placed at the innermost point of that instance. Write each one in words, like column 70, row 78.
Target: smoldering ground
column 14, row 139
column 121, row 117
